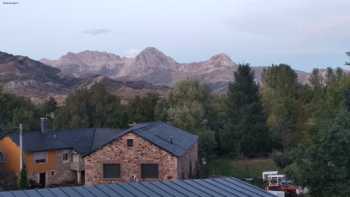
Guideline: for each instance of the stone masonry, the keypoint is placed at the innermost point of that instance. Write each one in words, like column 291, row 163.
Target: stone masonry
column 131, row 158
column 188, row 164
column 59, row 174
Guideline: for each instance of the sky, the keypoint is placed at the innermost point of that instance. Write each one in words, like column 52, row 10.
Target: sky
column 301, row 33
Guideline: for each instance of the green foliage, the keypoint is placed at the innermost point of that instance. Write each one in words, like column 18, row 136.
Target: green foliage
column 143, row 109
column 280, row 98
column 246, row 168
column 188, row 106
column 161, row 109
column 325, row 165
column 49, row 107
column 246, row 132
column 23, row 180
column 88, row 108
column 322, row 164
column 217, row 120
column 281, row 159
column 207, row 143
column 16, row 110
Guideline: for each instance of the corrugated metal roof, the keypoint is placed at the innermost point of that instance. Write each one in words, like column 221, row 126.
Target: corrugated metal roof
column 214, row 187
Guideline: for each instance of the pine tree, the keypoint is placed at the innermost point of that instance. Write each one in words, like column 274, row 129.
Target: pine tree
column 23, row 180
column 246, row 131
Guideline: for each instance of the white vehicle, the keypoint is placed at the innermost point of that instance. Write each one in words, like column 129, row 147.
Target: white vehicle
column 267, row 173
column 277, row 179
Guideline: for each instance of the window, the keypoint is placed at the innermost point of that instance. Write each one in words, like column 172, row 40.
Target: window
column 40, row 157
column 130, row 142
column 2, row 157
column 149, row 171
column 65, row 156
column 111, row 171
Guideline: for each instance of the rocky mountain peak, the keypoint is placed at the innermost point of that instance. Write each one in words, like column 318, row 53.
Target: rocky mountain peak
column 221, row 59
column 153, row 57
column 97, row 55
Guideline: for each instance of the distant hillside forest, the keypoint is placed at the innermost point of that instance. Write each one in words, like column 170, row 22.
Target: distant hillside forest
column 305, row 128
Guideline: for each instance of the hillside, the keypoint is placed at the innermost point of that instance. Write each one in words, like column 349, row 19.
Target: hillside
column 26, row 77
column 153, row 66
column 150, row 71
column 35, row 80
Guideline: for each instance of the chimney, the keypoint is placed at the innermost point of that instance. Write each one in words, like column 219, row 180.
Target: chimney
column 171, row 139
column 43, row 124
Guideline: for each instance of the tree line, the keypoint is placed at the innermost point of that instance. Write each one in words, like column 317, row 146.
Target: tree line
column 304, row 127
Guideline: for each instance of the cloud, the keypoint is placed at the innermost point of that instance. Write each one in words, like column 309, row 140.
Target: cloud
column 132, row 52
column 96, row 31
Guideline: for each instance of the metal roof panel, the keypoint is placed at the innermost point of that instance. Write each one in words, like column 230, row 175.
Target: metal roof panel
column 215, row 187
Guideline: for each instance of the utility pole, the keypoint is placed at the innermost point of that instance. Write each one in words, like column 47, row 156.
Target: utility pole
column 20, row 147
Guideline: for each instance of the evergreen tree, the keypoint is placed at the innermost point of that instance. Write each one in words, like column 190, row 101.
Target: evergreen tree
column 246, row 131
column 217, row 119
column 316, row 79
column 23, row 180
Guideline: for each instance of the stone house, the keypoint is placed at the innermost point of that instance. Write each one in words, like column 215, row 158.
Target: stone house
column 148, row 151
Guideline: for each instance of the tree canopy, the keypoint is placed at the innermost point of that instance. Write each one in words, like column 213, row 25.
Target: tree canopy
column 246, row 131
column 280, row 98
column 94, row 107
column 15, row 110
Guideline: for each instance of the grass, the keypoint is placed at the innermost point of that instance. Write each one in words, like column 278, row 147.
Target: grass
column 242, row 169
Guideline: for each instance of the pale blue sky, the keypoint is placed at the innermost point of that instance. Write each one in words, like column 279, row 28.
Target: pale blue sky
column 303, row 33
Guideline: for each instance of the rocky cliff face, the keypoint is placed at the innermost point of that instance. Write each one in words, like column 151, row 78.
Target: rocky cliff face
column 26, row 77
column 155, row 67
column 87, row 63
column 149, row 71
column 151, row 65
column 33, row 79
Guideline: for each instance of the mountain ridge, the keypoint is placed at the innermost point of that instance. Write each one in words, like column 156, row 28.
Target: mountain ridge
column 154, row 66
column 150, row 71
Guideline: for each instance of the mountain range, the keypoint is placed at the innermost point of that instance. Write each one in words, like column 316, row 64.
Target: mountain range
column 150, row 71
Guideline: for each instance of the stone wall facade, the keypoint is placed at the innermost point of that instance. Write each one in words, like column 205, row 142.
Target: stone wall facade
column 58, row 173
column 130, row 160
column 188, row 164
column 62, row 174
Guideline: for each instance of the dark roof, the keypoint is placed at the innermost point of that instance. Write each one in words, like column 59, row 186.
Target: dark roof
column 83, row 141
column 2, row 133
column 87, row 141
column 168, row 137
column 215, row 187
